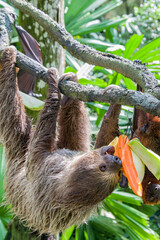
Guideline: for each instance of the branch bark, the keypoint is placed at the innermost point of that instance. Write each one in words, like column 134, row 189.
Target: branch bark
column 112, row 94
column 31, row 66
column 5, row 29
column 148, row 101
column 138, row 73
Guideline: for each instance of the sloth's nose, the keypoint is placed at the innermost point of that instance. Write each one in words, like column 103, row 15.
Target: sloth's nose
column 113, row 162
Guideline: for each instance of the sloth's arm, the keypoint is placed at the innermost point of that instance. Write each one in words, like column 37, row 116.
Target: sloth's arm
column 14, row 124
column 74, row 127
column 42, row 143
column 109, row 128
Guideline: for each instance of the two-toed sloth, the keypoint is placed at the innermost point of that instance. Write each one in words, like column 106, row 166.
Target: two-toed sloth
column 52, row 182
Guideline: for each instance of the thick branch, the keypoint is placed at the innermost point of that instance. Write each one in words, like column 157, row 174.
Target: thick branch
column 88, row 93
column 138, row 73
column 5, row 30
column 112, row 94
column 31, row 66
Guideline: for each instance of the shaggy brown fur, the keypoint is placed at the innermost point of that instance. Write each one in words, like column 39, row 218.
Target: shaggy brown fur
column 109, row 127
column 148, row 131
column 73, row 121
column 51, row 188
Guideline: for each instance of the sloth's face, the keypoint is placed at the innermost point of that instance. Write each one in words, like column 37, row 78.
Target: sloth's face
column 93, row 176
column 110, row 162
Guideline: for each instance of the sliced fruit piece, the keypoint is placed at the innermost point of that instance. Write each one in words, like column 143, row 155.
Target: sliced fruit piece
column 114, row 142
column 120, row 146
column 123, row 151
column 150, row 159
column 139, row 165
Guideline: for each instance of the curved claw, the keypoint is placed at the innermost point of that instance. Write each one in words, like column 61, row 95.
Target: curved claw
column 69, row 77
column 52, row 76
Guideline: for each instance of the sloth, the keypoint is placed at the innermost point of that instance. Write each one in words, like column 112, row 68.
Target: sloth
column 53, row 179
column 148, row 131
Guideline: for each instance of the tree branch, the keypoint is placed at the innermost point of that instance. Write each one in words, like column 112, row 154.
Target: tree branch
column 138, row 73
column 5, row 29
column 111, row 94
column 31, row 66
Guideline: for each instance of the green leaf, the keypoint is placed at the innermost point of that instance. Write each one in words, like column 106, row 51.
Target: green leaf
column 149, row 210
column 150, row 158
column 99, row 44
column 97, row 27
column 90, row 231
column 126, row 197
column 76, row 233
column 128, row 210
column 136, row 228
column 91, row 7
column 81, row 232
column 100, row 117
column 133, row 235
column 132, row 45
column 84, row 15
column 115, row 79
column 129, row 84
column 3, row 230
column 94, row 82
column 5, row 213
column 105, row 224
column 157, row 76
column 95, row 15
column 146, row 49
column 144, row 232
column 97, row 105
column 85, row 235
column 67, row 233
column 155, row 68
column 103, row 10
column 15, row 40
column 71, row 61
column 84, row 70
column 75, row 9
column 103, row 70
column 70, row 69
column 31, row 102
column 150, row 55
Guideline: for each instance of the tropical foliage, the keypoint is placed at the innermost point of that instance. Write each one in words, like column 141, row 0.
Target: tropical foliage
column 122, row 215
